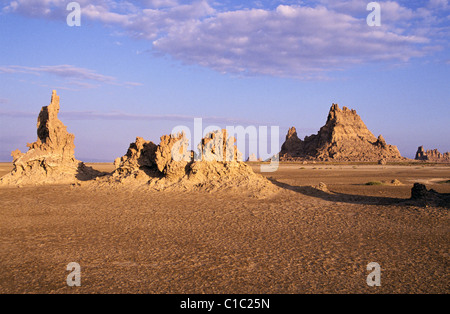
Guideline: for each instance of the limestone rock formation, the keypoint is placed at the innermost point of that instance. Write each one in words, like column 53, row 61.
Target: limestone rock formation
column 50, row 160
column 292, row 146
column 140, row 156
column 432, row 155
column 344, row 137
column 382, row 162
column 171, row 166
column 252, row 158
column 172, row 155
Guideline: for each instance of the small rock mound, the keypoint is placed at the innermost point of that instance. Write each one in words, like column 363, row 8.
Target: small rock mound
column 322, row 187
column 253, row 158
column 50, row 160
column 420, row 195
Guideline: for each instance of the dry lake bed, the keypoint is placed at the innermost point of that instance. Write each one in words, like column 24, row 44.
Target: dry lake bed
column 300, row 240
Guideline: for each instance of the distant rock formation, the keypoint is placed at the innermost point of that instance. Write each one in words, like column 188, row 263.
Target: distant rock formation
column 432, row 155
column 171, row 166
column 50, row 160
column 344, row 137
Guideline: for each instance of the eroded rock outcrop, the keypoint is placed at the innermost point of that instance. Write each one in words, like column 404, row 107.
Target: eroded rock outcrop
column 432, row 155
column 49, row 160
column 172, row 156
column 344, row 137
column 253, row 158
column 139, row 157
column 217, row 165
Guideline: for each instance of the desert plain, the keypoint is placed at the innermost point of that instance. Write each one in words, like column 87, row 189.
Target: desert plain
column 298, row 240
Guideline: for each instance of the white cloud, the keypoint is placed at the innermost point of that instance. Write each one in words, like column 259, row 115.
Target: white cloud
column 287, row 41
column 290, row 41
column 65, row 71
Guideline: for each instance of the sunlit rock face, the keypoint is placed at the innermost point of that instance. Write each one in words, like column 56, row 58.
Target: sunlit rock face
column 432, row 155
column 344, row 137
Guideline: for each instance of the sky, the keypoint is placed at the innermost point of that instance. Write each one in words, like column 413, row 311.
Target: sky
column 142, row 68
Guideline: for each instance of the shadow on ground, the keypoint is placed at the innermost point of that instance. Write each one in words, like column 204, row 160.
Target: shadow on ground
column 341, row 197
column 86, row 173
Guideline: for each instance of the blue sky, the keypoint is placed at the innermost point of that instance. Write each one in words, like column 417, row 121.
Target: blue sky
column 140, row 68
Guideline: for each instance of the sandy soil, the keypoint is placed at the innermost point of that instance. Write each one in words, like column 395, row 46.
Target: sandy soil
column 299, row 241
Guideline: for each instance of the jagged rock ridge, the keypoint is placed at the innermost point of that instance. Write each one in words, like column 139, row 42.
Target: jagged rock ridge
column 169, row 165
column 344, row 137
column 49, row 160
column 253, row 158
column 432, row 155
column 217, row 165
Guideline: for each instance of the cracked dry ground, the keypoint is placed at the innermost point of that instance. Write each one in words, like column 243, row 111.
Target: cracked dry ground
column 300, row 241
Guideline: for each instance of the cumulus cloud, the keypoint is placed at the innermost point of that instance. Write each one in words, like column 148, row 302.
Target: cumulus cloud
column 286, row 40
column 141, row 19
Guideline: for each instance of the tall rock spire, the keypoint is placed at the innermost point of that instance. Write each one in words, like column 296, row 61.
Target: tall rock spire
column 51, row 158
